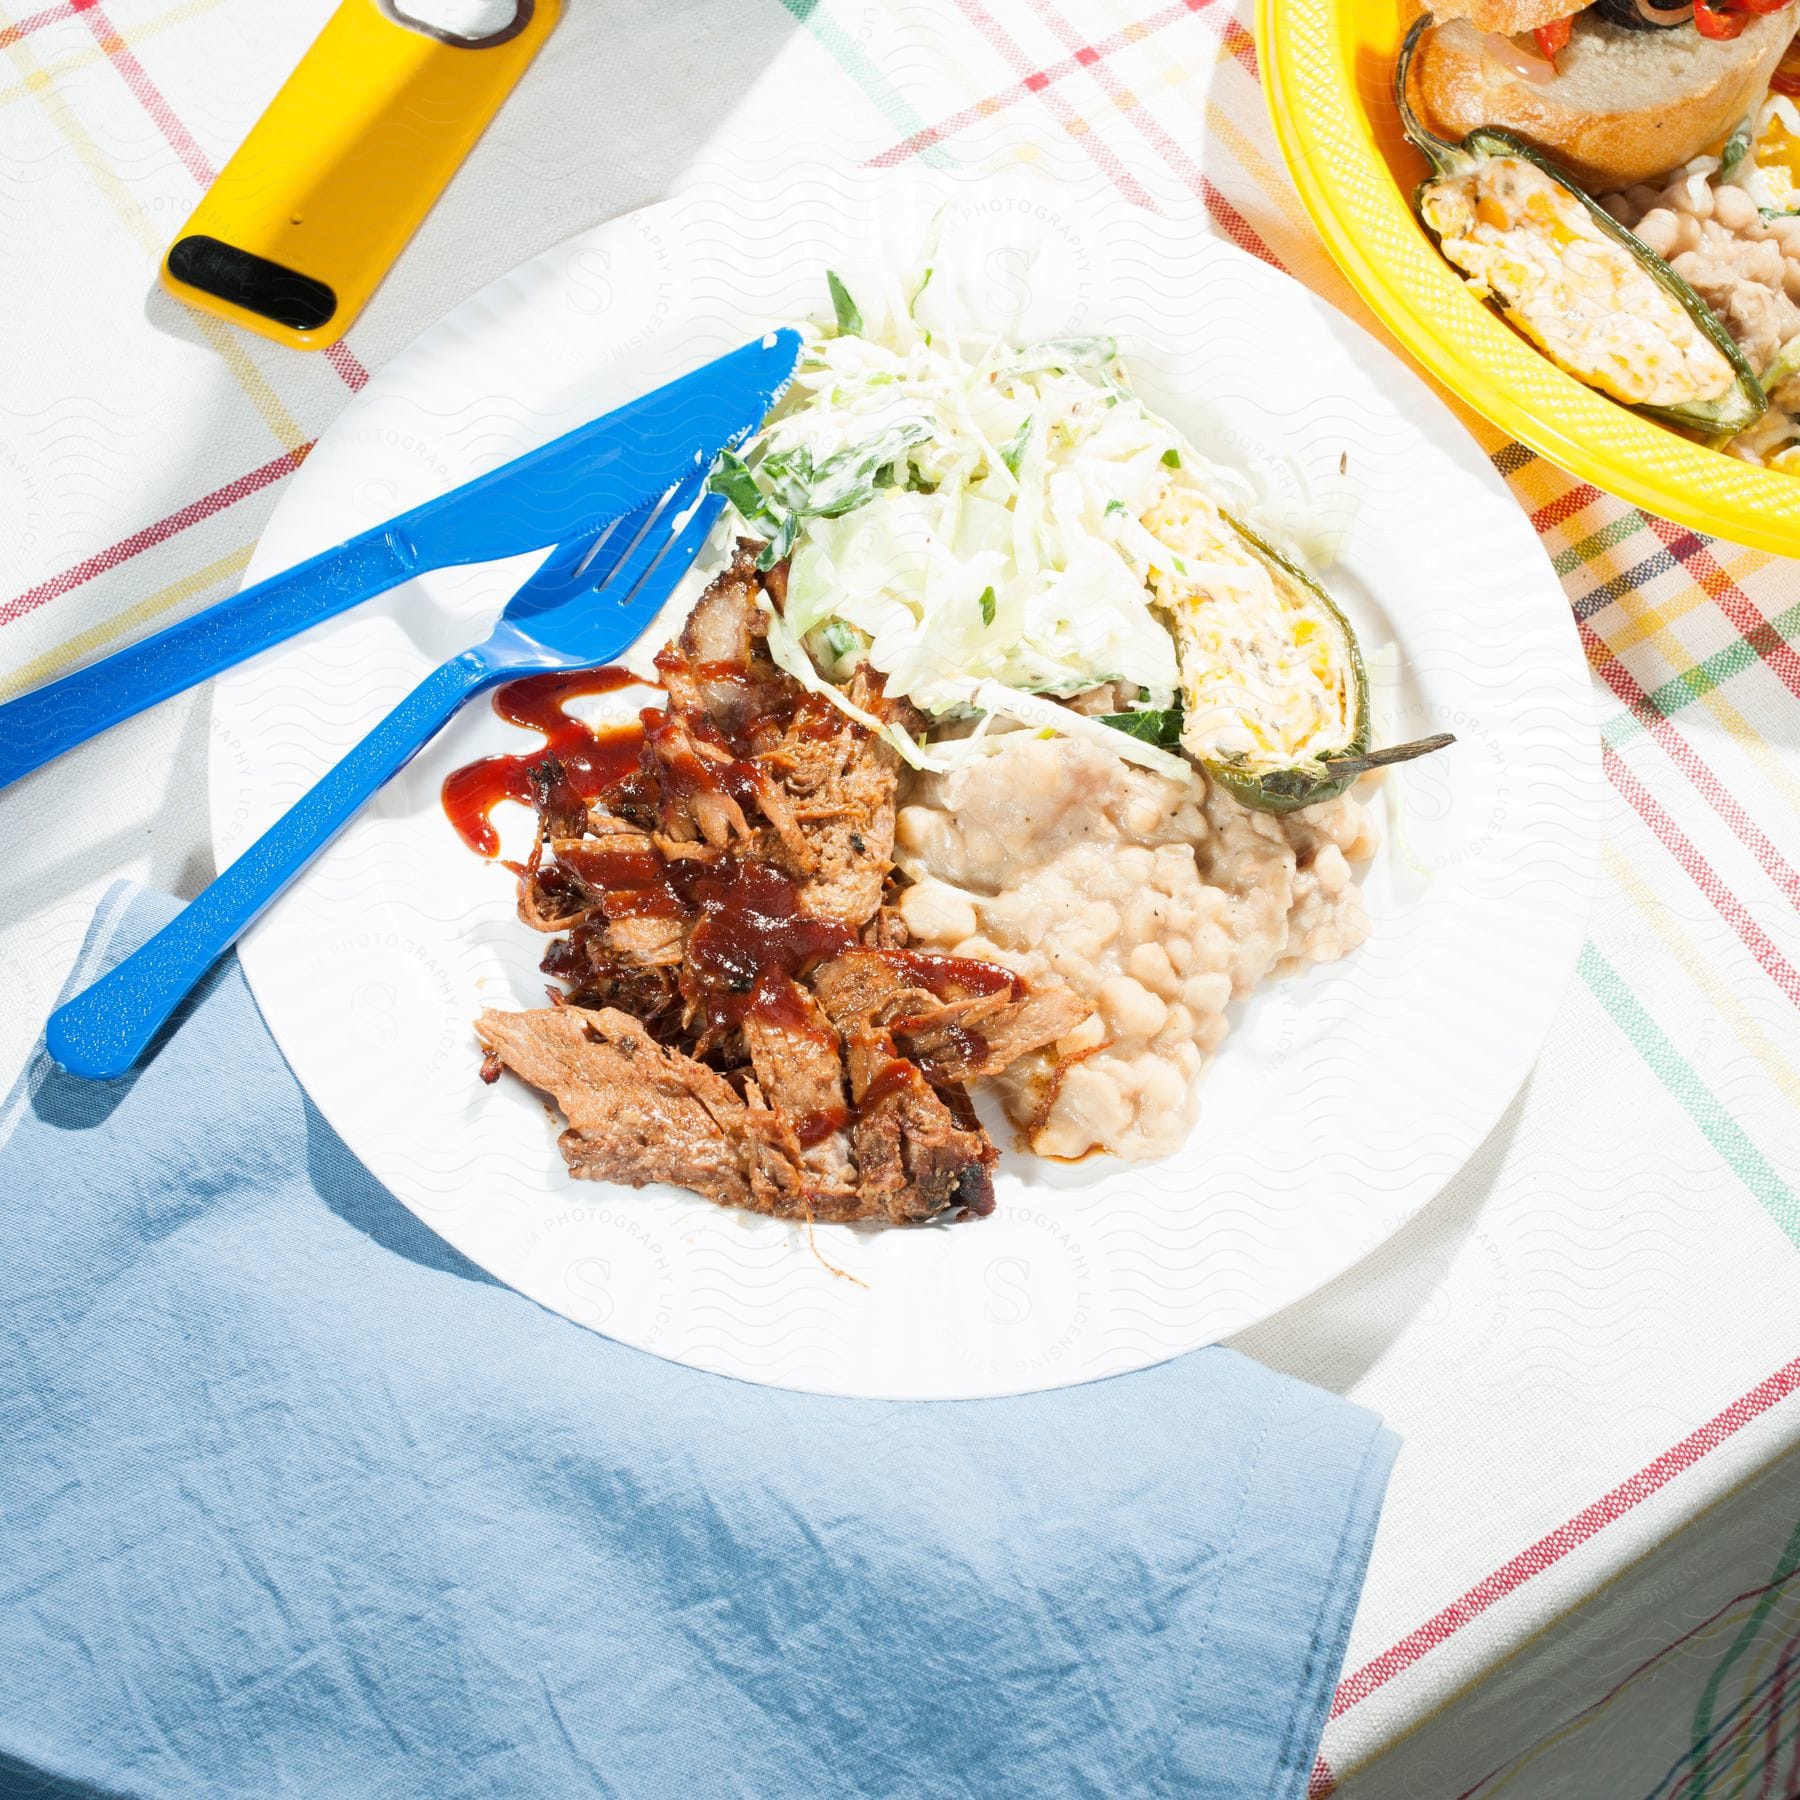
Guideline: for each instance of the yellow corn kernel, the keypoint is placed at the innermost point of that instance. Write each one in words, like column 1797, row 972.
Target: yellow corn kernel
column 1544, row 212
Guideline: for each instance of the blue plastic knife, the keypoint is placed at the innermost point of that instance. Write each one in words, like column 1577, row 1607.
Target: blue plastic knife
column 578, row 483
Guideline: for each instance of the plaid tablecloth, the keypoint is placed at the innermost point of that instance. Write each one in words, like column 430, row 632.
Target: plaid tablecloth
column 1591, row 1342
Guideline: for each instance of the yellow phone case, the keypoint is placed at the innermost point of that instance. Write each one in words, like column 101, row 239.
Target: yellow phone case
column 304, row 221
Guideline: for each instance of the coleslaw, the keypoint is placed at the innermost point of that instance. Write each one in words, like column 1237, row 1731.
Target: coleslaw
column 968, row 516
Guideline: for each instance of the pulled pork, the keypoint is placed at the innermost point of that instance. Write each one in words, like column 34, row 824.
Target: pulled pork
column 739, row 1014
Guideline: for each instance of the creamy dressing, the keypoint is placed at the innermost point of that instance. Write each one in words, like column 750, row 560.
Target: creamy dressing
column 1583, row 298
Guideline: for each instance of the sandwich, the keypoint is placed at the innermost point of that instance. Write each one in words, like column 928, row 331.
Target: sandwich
column 1621, row 92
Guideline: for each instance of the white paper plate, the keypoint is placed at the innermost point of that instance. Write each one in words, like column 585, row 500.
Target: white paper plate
column 1341, row 1102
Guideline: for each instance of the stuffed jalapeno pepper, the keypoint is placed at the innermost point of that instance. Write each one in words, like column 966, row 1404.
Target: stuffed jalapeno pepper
column 1597, row 301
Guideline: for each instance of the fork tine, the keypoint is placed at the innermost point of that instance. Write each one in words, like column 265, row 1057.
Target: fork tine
column 565, row 558
column 614, row 545
column 623, row 581
column 634, row 570
column 577, row 563
column 681, row 549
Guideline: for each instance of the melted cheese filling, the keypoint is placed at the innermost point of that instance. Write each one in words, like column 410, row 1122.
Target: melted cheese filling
column 1581, row 297
column 1266, row 678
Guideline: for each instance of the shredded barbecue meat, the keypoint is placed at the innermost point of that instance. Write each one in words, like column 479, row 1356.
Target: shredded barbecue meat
column 561, row 811
column 739, row 1013
column 951, row 1016
column 638, row 1112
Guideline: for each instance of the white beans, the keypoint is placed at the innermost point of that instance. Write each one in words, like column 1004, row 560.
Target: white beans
column 1156, row 901
column 1746, row 268
column 1734, row 209
column 1658, row 228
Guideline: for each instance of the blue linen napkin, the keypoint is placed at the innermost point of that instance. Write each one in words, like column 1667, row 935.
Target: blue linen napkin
column 296, row 1501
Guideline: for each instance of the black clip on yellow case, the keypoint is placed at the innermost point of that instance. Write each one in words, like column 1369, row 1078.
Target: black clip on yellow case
column 304, row 221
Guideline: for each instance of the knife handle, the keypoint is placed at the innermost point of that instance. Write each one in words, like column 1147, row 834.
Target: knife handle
column 103, row 1031
column 49, row 720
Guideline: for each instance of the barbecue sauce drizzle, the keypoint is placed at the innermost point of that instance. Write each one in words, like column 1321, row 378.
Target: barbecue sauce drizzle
column 594, row 757
column 750, row 943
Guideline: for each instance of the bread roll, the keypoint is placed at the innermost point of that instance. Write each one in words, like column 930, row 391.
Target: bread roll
column 1623, row 106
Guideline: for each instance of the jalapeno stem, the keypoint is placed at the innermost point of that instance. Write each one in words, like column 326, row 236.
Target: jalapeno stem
column 1395, row 753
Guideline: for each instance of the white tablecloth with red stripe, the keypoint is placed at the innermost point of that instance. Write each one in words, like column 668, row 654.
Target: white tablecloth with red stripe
column 1591, row 1343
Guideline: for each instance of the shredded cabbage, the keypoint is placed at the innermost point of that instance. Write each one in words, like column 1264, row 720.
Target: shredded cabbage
column 965, row 515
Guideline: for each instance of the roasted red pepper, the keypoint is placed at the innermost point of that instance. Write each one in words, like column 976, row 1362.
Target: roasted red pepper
column 1554, row 37
column 1717, row 22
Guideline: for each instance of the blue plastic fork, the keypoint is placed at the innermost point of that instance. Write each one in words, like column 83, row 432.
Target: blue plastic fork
column 591, row 599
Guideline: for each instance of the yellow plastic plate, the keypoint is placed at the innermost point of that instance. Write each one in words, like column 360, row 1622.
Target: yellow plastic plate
column 1329, row 67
